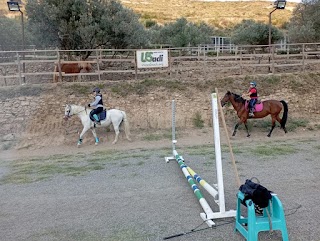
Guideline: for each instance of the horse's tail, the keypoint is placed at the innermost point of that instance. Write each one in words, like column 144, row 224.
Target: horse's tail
column 285, row 114
column 126, row 125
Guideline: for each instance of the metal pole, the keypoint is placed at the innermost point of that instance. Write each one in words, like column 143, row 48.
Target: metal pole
column 269, row 42
column 23, row 48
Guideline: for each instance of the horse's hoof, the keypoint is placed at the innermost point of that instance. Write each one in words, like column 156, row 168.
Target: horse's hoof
column 96, row 143
column 268, row 135
column 248, row 135
column 114, row 142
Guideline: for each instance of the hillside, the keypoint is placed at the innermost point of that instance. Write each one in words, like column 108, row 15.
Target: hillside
column 218, row 14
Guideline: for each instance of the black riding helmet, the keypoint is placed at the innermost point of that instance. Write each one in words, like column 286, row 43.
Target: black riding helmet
column 96, row 89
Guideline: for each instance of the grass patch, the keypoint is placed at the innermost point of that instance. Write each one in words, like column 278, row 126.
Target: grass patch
column 79, row 89
column 200, row 150
column 271, row 150
column 33, row 170
column 145, row 86
column 294, row 124
column 166, row 135
column 197, row 120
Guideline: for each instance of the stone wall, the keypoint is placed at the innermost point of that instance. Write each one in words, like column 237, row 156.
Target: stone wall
column 34, row 114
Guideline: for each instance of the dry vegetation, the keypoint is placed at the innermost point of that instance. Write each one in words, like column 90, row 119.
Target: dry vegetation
column 218, row 14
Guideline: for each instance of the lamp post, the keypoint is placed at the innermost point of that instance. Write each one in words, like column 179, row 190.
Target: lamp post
column 15, row 7
column 279, row 4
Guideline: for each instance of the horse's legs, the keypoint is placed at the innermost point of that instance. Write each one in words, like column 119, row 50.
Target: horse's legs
column 235, row 129
column 237, row 125
column 116, row 130
column 95, row 135
column 85, row 128
column 273, row 125
column 279, row 120
column 245, row 124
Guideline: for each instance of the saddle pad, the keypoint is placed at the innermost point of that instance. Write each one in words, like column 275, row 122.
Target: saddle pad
column 257, row 107
column 103, row 115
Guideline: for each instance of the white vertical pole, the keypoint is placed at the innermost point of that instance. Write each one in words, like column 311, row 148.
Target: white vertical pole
column 215, row 123
column 174, row 141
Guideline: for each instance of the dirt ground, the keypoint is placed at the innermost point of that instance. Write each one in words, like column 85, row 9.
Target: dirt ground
column 137, row 196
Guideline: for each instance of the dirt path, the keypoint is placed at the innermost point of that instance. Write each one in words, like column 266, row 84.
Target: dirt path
column 190, row 137
column 131, row 194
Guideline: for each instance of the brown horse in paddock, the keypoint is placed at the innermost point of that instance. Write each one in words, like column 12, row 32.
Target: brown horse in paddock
column 71, row 68
column 270, row 107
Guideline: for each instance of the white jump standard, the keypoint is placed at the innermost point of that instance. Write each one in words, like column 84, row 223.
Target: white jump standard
column 217, row 190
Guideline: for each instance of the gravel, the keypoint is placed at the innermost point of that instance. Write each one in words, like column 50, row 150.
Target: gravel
column 142, row 199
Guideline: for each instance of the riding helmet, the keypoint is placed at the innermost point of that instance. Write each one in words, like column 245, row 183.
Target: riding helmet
column 96, row 89
column 253, row 83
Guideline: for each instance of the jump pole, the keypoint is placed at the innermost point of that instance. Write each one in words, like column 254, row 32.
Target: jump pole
column 218, row 194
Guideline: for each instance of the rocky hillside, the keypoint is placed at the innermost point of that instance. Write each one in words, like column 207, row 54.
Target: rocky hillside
column 32, row 115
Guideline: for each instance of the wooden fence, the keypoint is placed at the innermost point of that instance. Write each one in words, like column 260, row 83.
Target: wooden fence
column 37, row 66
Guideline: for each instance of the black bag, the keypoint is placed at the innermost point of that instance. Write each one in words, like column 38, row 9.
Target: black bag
column 256, row 192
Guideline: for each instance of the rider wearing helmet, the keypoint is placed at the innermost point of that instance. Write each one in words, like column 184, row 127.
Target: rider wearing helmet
column 97, row 105
column 253, row 94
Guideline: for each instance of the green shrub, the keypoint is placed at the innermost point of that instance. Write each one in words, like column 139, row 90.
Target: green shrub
column 197, row 120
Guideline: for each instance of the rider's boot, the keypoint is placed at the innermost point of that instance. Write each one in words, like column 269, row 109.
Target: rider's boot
column 96, row 118
column 251, row 112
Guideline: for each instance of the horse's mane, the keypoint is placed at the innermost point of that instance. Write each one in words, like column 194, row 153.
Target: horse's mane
column 238, row 98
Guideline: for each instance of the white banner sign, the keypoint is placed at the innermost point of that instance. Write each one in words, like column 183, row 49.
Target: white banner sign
column 157, row 58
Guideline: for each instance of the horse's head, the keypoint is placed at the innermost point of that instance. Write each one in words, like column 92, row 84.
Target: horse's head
column 232, row 97
column 67, row 112
column 226, row 98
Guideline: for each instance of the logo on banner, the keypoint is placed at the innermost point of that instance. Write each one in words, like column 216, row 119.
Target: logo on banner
column 152, row 59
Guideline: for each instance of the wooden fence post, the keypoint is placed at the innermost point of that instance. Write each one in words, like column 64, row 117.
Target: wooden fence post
column 135, row 65
column 98, row 64
column 19, row 68
column 303, row 57
column 169, row 59
column 59, row 66
column 273, row 69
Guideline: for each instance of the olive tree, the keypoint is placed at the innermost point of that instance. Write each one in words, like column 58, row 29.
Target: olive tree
column 11, row 34
column 304, row 26
column 82, row 24
column 255, row 33
column 181, row 33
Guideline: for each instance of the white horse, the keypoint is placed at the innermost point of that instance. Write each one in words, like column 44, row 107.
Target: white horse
column 114, row 117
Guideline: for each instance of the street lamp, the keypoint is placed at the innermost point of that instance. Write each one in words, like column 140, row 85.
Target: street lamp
column 280, row 4
column 15, row 7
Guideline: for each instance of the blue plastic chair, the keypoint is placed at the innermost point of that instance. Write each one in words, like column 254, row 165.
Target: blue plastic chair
column 255, row 223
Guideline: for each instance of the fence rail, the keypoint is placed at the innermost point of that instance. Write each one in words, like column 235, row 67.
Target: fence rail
column 37, row 66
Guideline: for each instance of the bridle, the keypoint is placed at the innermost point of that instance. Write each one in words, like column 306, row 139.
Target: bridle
column 224, row 102
column 69, row 112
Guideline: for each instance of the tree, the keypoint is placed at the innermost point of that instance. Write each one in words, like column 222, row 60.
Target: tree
column 255, row 33
column 83, row 24
column 304, row 26
column 11, row 34
column 181, row 33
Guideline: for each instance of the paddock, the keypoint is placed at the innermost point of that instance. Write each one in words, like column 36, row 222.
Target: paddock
column 135, row 195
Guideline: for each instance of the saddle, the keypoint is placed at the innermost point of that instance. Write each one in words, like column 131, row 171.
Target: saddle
column 102, row 115
column 256, row 108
